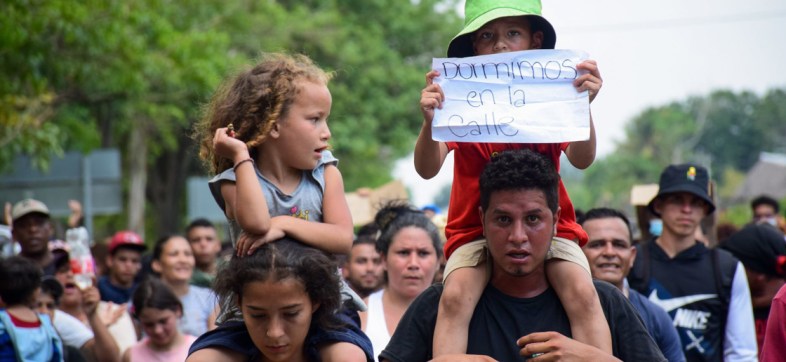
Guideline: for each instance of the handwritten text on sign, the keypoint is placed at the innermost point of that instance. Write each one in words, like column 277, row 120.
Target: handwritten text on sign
column 519, row 97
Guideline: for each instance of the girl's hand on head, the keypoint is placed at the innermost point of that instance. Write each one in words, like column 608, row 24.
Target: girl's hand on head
column 590, row 81
column 431, row 97
column 247, row 244
column 229, row 147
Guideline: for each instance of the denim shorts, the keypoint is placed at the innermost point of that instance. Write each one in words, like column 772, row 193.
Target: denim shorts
column 234, row 336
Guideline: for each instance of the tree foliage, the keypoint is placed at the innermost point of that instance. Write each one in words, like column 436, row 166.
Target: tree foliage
column 724, row 131
column 88, row 74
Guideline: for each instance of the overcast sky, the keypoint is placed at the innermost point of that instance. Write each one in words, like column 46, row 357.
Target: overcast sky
column 653, row 53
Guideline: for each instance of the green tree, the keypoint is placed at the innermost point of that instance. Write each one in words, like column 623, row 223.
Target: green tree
column 133, row 75
column 724, row 131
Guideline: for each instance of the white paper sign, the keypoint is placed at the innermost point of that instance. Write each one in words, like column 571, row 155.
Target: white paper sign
column 517, row 97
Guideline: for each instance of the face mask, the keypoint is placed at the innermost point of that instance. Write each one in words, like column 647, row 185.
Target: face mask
column 656, row 227
column 772, row 221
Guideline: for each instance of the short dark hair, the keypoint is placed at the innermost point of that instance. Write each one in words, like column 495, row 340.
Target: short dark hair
column 285, row 258
column 50, row 285
column 199, row 223
column 765, row 200
column 20, row 278
column 520, row 170
column 396, row 215
column 606, row 213
column 153, row 293
column 366, row 234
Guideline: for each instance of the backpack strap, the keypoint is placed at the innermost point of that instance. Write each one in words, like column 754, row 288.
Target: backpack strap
column 7, row 326
column 57, row 343
column 724, row 270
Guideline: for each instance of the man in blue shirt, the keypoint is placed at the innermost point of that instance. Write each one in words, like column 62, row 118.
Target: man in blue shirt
column 610, row 255
column 123, row 263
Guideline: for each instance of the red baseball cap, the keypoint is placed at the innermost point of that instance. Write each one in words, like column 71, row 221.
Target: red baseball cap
column 128, row 239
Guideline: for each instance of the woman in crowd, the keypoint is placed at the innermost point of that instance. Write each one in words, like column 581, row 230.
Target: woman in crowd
column 409, row 245
column 294, row 325
column 158, row 310
column 173, row 261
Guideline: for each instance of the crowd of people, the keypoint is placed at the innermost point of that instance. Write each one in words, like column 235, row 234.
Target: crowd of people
column 514, row 274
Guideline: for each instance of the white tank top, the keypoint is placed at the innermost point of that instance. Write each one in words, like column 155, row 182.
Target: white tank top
column 376, row 327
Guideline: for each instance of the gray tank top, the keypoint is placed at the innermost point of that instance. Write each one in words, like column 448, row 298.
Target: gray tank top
column 304, row 203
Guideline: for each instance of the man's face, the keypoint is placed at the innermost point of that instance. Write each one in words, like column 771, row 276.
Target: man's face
column 609, row 250
column 124, row 266
column 363, row 270
column 764, row 213
column 681, row 213
column 33, row 232
column 204, row 241
column 518, row 226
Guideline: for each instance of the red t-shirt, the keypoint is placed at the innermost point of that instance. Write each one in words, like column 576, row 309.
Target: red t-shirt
column 773, row 348
column 469, row 161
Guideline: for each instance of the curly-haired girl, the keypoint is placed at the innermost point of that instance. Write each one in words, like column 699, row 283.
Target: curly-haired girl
column 265, row 134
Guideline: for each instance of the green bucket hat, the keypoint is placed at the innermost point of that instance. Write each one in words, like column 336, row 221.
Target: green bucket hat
column 479, row 12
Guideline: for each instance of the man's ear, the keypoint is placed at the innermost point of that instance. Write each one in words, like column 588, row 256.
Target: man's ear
column 108, row 261
column 556, row 218
column 537, row 40
column 633, row 253
column 383, row 260
column 657, row 204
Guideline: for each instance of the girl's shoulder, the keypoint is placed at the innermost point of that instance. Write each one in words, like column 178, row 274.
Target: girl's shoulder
column 226, row 175
column 318, row 174
column 327, row 159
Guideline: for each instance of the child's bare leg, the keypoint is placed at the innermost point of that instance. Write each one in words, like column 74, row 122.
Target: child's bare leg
column 462, row 290
column 573, row 284
column 342, row 352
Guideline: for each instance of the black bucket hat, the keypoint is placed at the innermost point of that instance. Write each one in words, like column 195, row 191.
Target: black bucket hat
column 689, row 178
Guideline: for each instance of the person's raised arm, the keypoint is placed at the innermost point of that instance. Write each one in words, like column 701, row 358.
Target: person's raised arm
column 103, row 346
column 75, row 218
column 334, row 234
column 581, row 154
column 429, row 154
column 244, row 199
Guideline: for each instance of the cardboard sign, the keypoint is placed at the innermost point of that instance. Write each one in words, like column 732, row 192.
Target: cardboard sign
column 516, row 97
